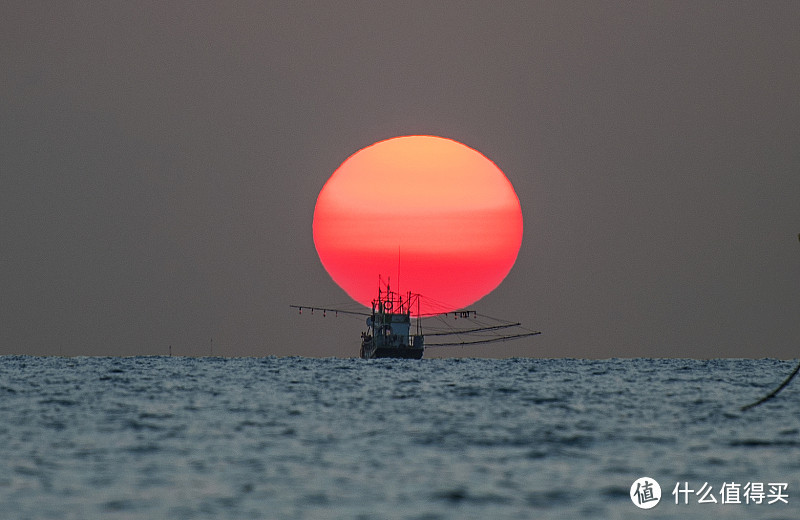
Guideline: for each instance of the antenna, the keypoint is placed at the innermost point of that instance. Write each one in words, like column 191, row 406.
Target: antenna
column 398, row 269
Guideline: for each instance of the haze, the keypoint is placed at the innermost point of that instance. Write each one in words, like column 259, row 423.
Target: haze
column 160, row 163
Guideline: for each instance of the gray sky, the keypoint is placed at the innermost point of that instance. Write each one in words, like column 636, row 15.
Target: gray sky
column 159, row 165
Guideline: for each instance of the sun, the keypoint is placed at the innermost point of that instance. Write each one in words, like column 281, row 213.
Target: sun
column 432, row 214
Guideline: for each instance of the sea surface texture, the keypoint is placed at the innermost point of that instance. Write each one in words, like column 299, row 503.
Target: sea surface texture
column 297, row 438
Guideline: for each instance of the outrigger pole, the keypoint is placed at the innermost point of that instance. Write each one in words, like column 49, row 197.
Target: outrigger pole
column 326, row 310
column 481, row 329
column 482, row 341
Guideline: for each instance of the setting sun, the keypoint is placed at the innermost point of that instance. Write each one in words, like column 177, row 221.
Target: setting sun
column 441, row 212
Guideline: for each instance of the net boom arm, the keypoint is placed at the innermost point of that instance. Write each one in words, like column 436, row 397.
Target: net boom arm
column 325, row 310
column 467, row 331
column 481, row 341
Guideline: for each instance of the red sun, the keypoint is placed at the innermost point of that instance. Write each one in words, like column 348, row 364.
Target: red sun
column 430, row 211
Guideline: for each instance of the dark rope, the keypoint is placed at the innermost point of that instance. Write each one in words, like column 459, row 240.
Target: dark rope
column 774, row 392
column 782, row 385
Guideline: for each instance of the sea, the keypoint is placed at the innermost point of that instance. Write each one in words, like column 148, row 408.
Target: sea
column 304, row 438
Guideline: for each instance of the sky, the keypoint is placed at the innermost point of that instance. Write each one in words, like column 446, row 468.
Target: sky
column 160, row 163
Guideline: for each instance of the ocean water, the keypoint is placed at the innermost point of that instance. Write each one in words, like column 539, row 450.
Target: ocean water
column 297, row 438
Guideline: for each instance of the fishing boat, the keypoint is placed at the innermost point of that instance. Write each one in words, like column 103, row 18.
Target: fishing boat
column 388, row 332
column 395, row 326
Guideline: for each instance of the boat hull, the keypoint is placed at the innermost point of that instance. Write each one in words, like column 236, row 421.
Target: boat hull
column 403, row 352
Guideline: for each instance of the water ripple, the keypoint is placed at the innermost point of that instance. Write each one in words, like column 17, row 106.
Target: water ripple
column 345, row 438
